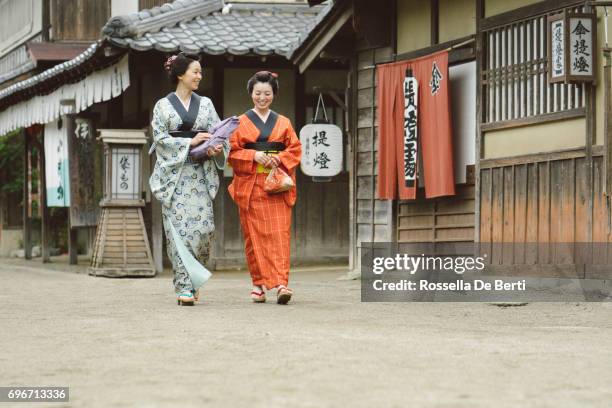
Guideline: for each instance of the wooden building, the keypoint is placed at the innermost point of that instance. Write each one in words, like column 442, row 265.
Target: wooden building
column 233, row 43
column 531, row 155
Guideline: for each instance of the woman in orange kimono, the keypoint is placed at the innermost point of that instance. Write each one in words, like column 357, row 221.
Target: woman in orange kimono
column 264, row 140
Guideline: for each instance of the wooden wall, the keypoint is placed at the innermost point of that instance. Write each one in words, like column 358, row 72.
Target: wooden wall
column 374, row 220
column 445, row 219
column 78, row 20
column 542, row 201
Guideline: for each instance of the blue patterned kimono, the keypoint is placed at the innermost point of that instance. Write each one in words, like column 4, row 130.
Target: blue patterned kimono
column 186, row 188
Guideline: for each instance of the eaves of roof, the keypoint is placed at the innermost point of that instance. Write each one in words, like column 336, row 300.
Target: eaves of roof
column 328, row 24
column 208, row 27
column 193, row 26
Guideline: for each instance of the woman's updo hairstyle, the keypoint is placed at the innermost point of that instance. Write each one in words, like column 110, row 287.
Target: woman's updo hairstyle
column 265, row 77
column 177, row 65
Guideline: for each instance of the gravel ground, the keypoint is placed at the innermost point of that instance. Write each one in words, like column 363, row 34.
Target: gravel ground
column 125, row 343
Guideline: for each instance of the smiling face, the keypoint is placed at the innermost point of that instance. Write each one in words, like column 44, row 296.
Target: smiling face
column 262, row 96
column 192, row 77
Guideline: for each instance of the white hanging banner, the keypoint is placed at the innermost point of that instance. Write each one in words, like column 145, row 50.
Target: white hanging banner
column 57, row 174
column 411, row 100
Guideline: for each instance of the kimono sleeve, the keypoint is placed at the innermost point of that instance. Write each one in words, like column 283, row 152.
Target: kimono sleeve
column 291, row 156
column 220, row 159
column 241, row 159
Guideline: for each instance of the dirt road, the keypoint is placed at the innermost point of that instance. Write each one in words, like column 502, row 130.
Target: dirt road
column 125, row 343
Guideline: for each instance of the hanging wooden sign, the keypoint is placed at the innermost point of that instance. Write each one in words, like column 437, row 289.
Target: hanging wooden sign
column 411, row 100
column 582, row 32
column 572, row 45
column 84, row 208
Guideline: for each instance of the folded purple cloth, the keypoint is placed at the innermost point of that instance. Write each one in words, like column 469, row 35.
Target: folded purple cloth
column 219, row 133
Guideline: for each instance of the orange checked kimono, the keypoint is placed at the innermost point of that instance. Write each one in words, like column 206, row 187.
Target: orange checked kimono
column 265, row 218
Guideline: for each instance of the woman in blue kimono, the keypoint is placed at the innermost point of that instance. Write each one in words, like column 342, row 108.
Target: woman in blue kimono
column 186, row 187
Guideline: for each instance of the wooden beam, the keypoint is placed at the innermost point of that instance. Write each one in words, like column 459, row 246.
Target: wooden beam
column 218, row 85
column 27, row 225
column 468, row 48
column 588, row 152
column 544, row 157
column 72, row 245
column 532, row 120
column 522, row 13
column 480, row 104
column 322, row 37
column 46, row 20
column 300, row 98
column 435, row 20
column 607, row 185
column 394, row 28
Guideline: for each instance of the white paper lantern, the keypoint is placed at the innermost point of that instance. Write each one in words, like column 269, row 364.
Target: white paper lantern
column 322, row 150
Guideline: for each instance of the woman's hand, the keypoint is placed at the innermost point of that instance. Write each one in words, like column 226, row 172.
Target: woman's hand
column 274, row 162
column 262, row 158
column 199, row 139
column 215, row 150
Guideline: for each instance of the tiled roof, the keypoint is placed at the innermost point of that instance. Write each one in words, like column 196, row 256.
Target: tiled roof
column 194, row 26
column 243, row 29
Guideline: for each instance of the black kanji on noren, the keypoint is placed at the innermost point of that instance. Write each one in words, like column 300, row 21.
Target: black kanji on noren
column 436, row 78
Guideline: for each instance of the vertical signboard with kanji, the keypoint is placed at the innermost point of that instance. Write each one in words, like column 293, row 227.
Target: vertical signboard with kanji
column 126, row 172
column 556, row 49
column 84, row 208
column 572, row 44
column 582, row 35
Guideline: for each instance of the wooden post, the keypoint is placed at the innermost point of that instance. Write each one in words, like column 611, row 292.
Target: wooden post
column 218, row 78
column 479, row 115
column 434, row 9
column 607, row 185
column 72, row 241
column 590, row 136
column 300, row 98
column 44, row 234
column 27, row 233
column 72, row 245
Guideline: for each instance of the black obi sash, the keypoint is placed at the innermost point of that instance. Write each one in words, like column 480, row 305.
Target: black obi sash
column 187, row 117
column 265, row 129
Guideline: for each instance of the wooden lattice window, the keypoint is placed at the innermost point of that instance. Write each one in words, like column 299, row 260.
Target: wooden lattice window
column 515, row 84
